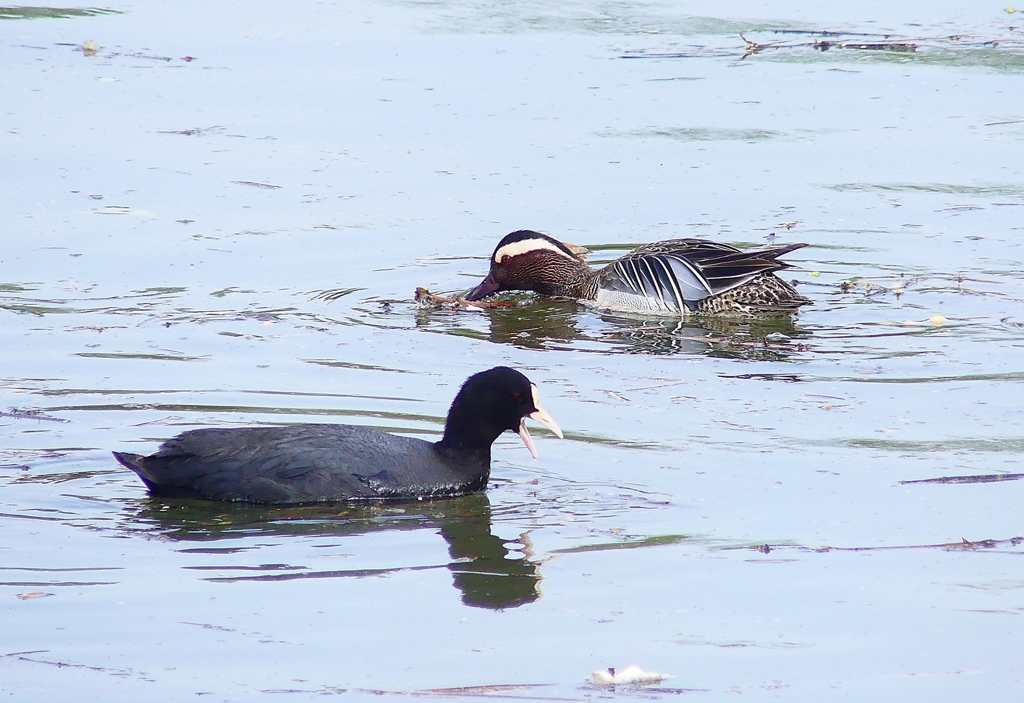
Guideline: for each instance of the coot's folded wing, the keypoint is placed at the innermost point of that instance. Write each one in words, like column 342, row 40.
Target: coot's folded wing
column 303, row 463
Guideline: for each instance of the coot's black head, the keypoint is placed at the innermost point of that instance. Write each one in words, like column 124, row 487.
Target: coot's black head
column 491, row 402
column 528, row 260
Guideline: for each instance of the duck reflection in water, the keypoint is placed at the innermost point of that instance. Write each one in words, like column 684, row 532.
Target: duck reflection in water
column 560, row 323
column 483, row 567
column 533, row 323
column 766, row 339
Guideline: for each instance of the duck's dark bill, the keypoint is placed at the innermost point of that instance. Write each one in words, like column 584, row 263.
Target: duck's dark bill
column 486, row 287
column 539, row 415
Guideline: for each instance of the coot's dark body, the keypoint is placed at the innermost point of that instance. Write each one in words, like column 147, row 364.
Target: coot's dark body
column 318, row 462
column 305, row 463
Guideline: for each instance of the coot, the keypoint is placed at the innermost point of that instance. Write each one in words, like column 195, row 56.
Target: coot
column 312, row 463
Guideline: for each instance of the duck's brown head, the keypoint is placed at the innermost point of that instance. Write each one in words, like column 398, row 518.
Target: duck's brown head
column 528, row 260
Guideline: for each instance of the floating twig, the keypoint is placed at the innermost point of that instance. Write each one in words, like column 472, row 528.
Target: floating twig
column 426, row 298
column 257, row 184
column 962, row 545
column 193, row 132
column 981, row 478
column 851, row 41
column 30, row 414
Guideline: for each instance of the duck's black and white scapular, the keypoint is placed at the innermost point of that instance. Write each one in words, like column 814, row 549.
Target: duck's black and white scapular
column 311, row 463
column 676, row 277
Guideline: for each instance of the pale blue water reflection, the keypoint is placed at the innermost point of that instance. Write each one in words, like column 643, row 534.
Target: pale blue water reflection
column 151, row 281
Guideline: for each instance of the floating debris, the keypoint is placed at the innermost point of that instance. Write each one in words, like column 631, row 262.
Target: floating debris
column 822, row 41
column 257, row 184
column 871, row 46
column 491, row 691
column 194, row 131
column 30, row 414
column 153, row 57
column 962, row 545
column 124, row 210
column 32, row 13
column 633, row 676
column 33, row 594
column 982, row 478
column 427, row 299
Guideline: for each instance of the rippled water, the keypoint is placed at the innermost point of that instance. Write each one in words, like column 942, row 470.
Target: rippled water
column 220, row 217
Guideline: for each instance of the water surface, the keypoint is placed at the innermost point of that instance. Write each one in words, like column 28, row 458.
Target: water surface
column 218, row 217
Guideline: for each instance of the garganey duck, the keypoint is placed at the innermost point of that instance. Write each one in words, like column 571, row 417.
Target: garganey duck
column 674, row 277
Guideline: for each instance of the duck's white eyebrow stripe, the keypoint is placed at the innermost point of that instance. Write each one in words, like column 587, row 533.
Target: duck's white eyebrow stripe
column 525, row 245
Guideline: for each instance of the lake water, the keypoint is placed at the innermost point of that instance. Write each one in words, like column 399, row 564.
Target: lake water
column 217, row 214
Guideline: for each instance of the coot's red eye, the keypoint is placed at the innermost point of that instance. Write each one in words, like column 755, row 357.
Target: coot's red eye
column 517, row 397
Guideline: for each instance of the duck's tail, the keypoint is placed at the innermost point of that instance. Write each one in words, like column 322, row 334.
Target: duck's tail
column 734, row 269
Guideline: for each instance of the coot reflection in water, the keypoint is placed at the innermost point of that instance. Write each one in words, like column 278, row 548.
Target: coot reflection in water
column 482, row 567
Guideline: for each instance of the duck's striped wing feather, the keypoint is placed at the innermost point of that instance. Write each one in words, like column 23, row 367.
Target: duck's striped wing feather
column 724, row 267
column 696, row 250
column 668, row 282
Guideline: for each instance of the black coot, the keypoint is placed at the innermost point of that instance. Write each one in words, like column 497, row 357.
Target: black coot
column 317, row 463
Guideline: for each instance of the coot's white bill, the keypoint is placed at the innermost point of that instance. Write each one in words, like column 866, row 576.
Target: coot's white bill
column 541, row 416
